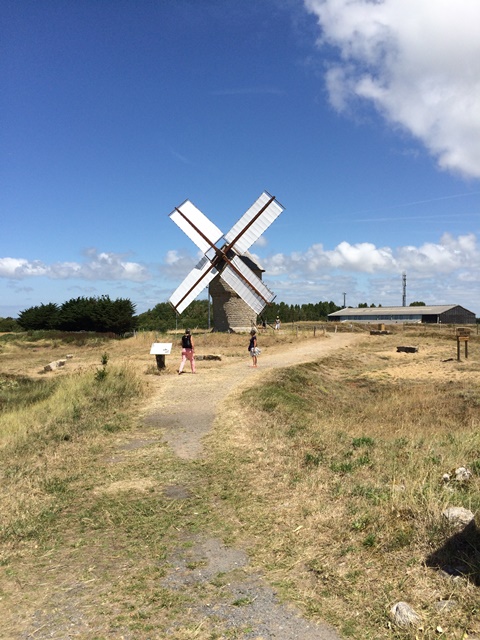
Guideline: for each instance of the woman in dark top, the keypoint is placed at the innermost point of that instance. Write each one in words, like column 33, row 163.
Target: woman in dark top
column 188, row 351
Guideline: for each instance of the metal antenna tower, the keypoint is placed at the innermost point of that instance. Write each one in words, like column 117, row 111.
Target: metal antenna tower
column 404, row 289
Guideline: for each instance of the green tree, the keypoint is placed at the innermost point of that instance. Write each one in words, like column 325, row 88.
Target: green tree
column 8, row 324
column 114, row 316
column 294, row 313
column 44, row 316
column 77, row 315
column 196, row 315
column 163, row 317
column 417, row 304
column 82, row 314
column 160, row 318
column 97, row 314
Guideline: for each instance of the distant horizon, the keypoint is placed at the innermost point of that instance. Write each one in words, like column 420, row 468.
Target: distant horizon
column 265, row 312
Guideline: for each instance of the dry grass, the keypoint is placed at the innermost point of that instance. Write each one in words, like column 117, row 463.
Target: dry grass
column 339, row 487
column 51, row 423
column 330, row 474
column 25, row 355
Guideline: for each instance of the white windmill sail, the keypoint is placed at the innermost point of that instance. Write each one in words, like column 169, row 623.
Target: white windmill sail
column 196, row 281
column 247, row 285
column 196, row 225
column 253, row 223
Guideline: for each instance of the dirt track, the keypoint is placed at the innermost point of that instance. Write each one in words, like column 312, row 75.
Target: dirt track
column 184, row 424
column 187, row 421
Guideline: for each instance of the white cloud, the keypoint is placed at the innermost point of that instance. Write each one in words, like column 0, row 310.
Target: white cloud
column 172, row 257
column 21, row 268
column 448, row 255
column 97, row 266
column 417, row 61
column 260, row 242
column 364, row 257
column 178, row 264
column 447, row 271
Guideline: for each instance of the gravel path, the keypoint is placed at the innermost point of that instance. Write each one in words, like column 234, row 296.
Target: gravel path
column 183, row 425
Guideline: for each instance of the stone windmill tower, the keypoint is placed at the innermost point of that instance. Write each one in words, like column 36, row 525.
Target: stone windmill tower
column 237, row 291
column 230, row 311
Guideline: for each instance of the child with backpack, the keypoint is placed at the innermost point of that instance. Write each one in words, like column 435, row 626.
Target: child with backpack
column 252, row 347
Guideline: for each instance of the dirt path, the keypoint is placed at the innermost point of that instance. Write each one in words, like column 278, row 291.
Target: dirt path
column 183, row 425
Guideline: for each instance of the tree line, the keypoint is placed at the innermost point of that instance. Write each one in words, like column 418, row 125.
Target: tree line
column 163, row 317
column 101, row 314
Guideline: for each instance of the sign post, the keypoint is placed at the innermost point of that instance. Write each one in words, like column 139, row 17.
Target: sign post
column 463, row 335
column 160, row 350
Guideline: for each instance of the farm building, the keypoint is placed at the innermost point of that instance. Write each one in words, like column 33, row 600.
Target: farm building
column 433, row 314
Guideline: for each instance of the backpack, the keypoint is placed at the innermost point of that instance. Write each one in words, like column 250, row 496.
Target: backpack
column 186, row 342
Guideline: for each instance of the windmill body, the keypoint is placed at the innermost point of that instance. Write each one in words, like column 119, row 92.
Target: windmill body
column 224, row 255
column 229, row 311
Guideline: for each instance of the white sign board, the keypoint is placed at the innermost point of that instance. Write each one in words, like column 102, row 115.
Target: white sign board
column 161, row 348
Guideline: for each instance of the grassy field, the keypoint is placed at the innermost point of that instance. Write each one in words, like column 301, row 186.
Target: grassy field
column 330, row 475
column 340, row 487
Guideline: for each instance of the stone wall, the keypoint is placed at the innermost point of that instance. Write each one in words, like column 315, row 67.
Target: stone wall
column 230, row 312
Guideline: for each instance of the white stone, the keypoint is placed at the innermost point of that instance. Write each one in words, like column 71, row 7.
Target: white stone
column 462, row 474
column 54, row 365
column 404, row 616
column 458, row 515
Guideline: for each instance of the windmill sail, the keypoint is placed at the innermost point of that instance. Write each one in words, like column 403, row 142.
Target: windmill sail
column 253, row 223
column 247, row 285
column 196, row 281
column 196, row 225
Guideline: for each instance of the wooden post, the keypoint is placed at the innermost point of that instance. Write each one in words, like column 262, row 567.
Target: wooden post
column 160, row 361
column 463, row 339
column 462, row 336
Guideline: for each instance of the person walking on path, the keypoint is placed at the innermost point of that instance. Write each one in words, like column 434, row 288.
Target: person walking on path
column 188, row 351
column 252, row 347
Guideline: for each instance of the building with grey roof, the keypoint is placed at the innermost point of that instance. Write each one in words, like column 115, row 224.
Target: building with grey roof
column 432, row 314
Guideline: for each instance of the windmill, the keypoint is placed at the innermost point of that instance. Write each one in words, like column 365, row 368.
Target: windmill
column 229, row 260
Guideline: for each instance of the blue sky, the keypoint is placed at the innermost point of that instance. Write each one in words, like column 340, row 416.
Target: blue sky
column 361, row 118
